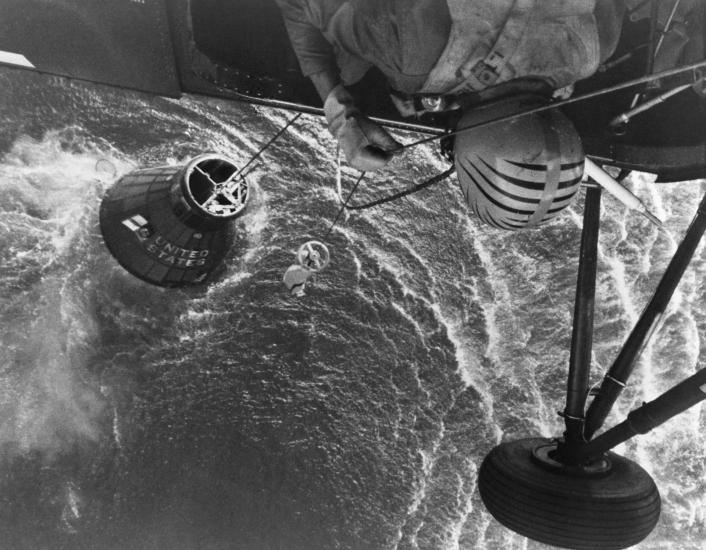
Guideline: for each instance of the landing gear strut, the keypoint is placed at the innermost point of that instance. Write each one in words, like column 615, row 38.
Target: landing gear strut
column 573, row 492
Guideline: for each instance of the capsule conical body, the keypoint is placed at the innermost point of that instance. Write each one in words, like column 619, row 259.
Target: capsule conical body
column 173, row 225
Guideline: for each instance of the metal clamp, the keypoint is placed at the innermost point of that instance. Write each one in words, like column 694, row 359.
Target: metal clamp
column 615, row 381
column 564, row 414
column 486, row 71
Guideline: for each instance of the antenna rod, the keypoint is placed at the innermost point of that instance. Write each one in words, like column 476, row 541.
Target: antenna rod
column 624, row 195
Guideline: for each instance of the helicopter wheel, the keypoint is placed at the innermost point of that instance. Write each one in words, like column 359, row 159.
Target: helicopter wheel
column 614, row 504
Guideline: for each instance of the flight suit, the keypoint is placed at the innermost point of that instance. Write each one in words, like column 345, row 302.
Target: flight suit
column 440, row 47
column 448, row 46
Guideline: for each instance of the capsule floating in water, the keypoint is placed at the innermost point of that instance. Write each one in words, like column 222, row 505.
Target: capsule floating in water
column 173, row 225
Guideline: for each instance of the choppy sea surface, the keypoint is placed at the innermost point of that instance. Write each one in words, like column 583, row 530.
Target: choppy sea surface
column 236, row 416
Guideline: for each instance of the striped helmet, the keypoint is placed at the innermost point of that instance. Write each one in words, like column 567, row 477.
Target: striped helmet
column 522, row 172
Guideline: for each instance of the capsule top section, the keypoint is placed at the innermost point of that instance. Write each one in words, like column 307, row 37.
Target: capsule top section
column 214, row 186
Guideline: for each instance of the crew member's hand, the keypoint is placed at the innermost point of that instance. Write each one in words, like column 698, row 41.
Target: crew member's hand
column 366, row 144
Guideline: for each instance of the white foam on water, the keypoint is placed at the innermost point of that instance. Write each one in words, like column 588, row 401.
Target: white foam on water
column 490, row 311
column 53, row 407
column 623, row 278
column 411, row 320
column 358, row 267
column 679, row 443
column 311, row 131
column 71, row 512
column 417, row 507
column 424, row 263
column 464, row 506
column 621, row 284
column 207, row 124
column 255, row 220
column 453, row 322
column 499, row 292
column 58, row 180
column 466, row 358
column 117, row 435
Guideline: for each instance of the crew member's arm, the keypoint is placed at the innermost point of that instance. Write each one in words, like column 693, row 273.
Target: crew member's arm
column 315, row 54
column 366, row 145
column 324, row 82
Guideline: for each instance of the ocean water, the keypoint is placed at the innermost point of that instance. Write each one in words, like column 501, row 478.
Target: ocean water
column 236, row 416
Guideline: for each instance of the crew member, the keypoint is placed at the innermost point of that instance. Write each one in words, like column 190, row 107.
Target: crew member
column 441, row 47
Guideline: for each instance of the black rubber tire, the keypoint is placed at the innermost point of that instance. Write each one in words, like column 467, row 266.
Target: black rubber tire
column 615, row 510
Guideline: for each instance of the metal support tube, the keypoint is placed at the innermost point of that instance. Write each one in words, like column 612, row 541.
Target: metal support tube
column 650, row 415
column 615, row 380
column 624, row 118
column 582, row 334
